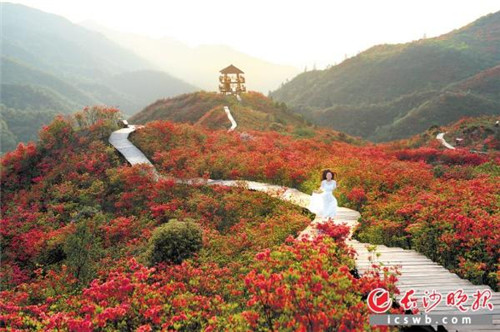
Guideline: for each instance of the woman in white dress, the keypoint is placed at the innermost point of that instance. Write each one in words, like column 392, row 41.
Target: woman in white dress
column 323, row 203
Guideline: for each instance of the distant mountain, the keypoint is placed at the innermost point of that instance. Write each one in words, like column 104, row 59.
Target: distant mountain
column 146, row 86
column 51, row 65
column 54, row 44
column 200, row 65
column 21, row 96
column 17, row 73
column 21, row 125
column 394, row 91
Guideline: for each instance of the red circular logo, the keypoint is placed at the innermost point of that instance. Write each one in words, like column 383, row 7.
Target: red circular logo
column 379, row 301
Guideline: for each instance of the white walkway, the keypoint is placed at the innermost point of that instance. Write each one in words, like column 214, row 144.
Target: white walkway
column 440, row 137
column 230, row 117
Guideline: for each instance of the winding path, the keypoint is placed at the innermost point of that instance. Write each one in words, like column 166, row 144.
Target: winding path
column 230, row 117
column 418, row 272
column 440, row 137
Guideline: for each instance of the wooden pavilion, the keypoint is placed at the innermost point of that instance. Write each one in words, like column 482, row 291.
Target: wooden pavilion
column 231, row 81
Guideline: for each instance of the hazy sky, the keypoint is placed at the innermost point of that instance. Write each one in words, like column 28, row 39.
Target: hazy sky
column 301, row 33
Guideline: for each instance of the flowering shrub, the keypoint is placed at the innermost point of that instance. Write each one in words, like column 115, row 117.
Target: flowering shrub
column 18, row 169
column 449, row 222
column 447, row 157
column 357, row 196
column 307, row 286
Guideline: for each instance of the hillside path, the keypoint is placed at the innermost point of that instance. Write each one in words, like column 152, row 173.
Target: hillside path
column 440, row 138
column 230, row 117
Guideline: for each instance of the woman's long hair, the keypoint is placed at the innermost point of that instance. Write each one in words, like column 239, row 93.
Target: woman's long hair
column 323, row 176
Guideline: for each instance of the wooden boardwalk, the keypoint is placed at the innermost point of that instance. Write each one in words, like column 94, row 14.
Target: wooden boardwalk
column 119, row 139
column 417, row 271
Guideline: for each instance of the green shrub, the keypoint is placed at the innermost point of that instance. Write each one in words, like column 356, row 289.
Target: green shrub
column 82, row 250
column 174, row 242
column 438, row 171
column 304, row 132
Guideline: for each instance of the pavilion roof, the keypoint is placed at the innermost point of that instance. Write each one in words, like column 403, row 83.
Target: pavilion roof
column 231, row 70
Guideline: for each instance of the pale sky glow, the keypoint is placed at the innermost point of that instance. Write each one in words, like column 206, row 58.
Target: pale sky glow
column 285, row 32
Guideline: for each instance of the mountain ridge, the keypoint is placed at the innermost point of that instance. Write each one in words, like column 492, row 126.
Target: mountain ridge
column 361, row 88
column 200, row 64
column 77, row 67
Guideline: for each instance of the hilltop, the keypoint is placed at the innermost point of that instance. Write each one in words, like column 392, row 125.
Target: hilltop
column 254, row 112
column 207, row 108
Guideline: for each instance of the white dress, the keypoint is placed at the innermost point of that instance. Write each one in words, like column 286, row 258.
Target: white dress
column 325, row 204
